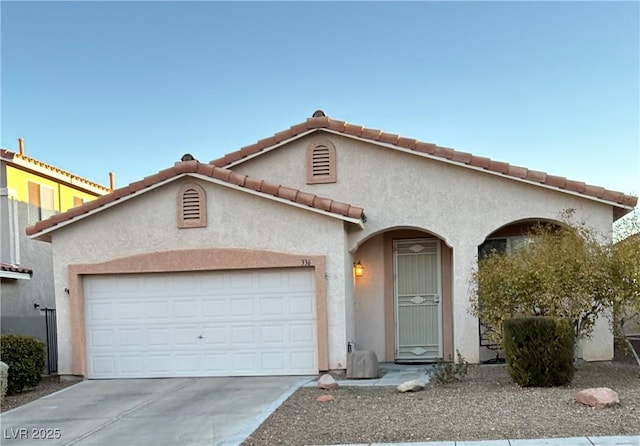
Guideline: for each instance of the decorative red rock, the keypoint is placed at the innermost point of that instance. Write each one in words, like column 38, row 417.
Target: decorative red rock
column 599, row 397
column 324, row 398
column 327, row 382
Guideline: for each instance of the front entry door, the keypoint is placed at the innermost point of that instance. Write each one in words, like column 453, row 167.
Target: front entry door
column 418, row 299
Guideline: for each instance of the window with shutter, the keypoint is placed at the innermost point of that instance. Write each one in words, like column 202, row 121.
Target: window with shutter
column 321, row 162
column 192, row 212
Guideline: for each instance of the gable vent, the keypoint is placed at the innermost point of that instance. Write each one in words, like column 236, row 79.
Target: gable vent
column 321, row 162
column 192, row 211
column 190, row 205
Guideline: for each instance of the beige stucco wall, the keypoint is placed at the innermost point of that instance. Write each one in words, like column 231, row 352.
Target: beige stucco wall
column 235, row 220
column 458, row 204
column 369, row 298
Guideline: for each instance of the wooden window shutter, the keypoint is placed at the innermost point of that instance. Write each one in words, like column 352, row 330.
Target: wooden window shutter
column 192, row 211
column 321, row 162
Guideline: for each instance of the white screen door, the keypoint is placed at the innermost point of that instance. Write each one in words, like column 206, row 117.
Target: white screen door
column 418, row 299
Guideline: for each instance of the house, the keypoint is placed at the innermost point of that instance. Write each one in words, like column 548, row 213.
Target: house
column 245, row 265
column 30, row 191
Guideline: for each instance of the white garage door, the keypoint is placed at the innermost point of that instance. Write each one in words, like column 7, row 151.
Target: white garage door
column 252, row 322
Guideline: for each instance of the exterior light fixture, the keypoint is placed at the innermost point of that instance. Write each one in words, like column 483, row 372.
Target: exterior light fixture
column 358, row 269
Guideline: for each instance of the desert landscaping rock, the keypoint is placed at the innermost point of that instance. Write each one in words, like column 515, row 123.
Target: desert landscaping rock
column 599, row 397
column 485, row 406
column 327, row 382
column 411, row 386
column 324, row 398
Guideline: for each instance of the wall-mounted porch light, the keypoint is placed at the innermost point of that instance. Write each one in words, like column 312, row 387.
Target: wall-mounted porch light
column 358, row 269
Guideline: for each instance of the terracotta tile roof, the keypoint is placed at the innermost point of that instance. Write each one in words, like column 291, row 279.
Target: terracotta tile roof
column 319, row 122
column 14, row 268
column 219, row 173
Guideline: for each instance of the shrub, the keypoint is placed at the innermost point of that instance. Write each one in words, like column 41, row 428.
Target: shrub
column 567, row 271
column 25, row 357
column 448, row 372
column 539, row 351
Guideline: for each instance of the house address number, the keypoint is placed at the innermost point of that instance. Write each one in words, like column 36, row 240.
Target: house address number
column 306, row 262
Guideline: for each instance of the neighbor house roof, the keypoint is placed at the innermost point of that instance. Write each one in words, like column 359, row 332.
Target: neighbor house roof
column 207, row 171
column 32, row 164
column 320, row 122
column 9, row 271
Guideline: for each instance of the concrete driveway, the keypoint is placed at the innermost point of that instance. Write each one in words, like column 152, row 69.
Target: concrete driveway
column 176, row 411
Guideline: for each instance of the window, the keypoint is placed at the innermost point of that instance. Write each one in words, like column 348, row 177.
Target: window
column 78, row 201
column 42, row 201
column 501, row 245
column 321, row 162
column 192, row 210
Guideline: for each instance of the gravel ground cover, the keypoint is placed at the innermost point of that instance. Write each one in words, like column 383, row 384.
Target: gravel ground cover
column 48, row 385
column 485, row 406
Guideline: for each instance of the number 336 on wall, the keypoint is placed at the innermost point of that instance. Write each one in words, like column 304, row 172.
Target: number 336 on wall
column 306, row 262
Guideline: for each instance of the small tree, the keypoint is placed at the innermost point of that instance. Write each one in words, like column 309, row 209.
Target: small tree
column 564, row 271
column 626, row 271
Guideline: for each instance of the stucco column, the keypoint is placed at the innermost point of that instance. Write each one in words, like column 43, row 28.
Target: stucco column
column 465, row 325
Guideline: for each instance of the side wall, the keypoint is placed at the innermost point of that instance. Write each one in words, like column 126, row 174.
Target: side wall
column 19, row 296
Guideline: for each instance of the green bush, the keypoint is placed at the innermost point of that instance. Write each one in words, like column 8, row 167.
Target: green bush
column 25, row 357
column 539, row 350
column 448, row 372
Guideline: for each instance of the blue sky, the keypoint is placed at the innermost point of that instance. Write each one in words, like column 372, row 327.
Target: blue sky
column 129, row 87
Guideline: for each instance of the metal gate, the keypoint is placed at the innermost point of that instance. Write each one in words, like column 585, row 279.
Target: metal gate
column 52, row 339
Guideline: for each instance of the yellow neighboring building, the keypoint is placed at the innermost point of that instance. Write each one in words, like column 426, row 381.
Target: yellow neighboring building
column 31, row 190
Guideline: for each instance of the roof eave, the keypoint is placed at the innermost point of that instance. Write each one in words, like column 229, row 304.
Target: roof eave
column 45, row 234
column 14, row 275
column 626, row 208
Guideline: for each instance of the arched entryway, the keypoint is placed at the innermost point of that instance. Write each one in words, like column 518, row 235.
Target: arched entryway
column 505, row 239
column 403, row 301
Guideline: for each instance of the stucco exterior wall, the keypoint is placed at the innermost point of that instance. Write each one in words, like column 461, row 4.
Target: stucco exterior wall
column 460, row 205
column 235, row 220
column 18, row 296
column 369, row 299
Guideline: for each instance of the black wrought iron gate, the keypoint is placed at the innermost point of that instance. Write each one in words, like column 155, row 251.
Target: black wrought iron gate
column 52, row 339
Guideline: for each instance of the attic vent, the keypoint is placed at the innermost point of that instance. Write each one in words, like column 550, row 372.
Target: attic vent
column 321, row 162
column 191, row 205
column 192, row 211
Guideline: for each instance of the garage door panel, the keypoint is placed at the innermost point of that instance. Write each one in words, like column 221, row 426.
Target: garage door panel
column 101, row 338
column 160, row 365
column 302, row 333
column 216, row 335
column 217, row 363
column 242, row 307
column 300, row 359
column 254, row 322
column 241, row 280
column 301, row 306
column 102, row 366
column 186, row 336
column 129, row 310
column 157, row 311
column 273, row 335
column 214, row 308
column 186, row 308
column 159, row 337
column 243, row 335
column 132, row 338
column 100, row 311
column 273, row 306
